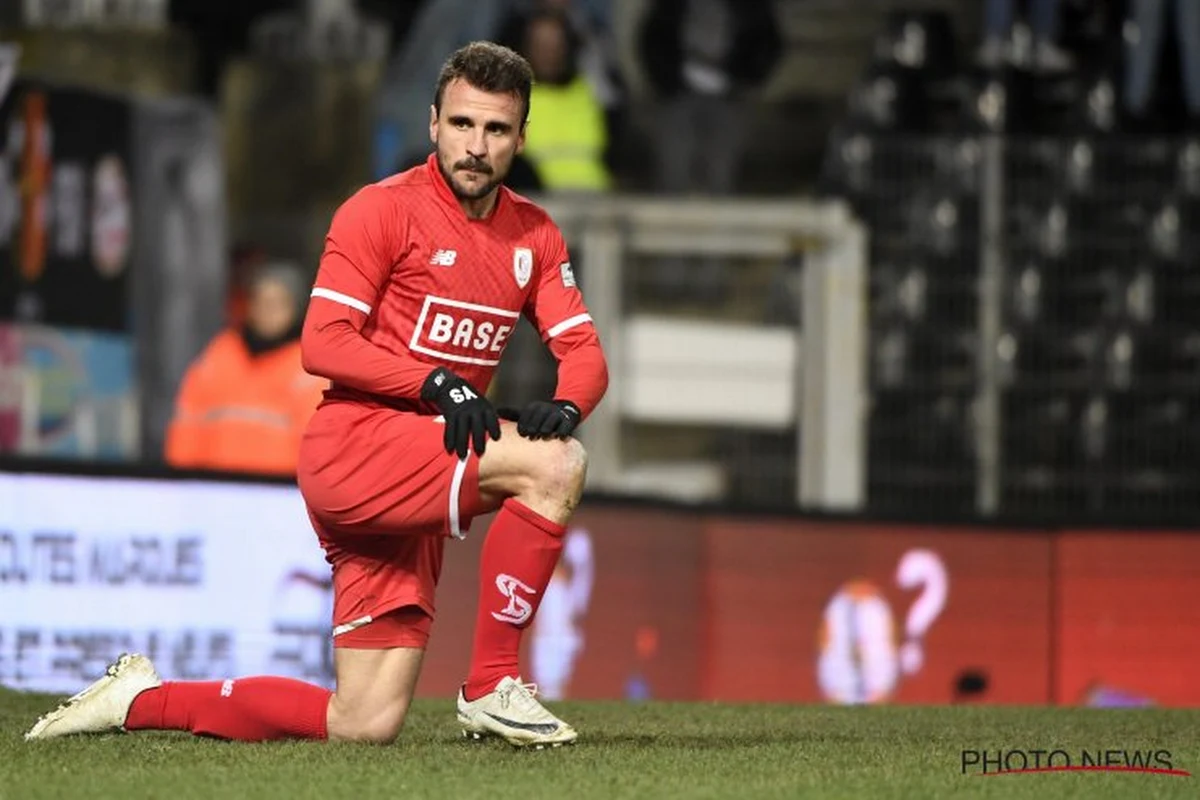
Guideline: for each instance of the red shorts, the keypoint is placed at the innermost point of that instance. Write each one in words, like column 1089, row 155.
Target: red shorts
column 383, row 494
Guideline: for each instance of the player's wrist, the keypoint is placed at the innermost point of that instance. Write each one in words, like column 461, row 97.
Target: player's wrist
column 469, row 417
column 568, row 407
column 438, row 383
column 544, row 419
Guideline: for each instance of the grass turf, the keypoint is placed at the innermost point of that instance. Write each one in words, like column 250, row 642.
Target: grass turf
column 653, row 750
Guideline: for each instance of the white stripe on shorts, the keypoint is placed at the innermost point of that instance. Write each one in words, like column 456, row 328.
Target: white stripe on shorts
column 460, row 469
column 353, row 624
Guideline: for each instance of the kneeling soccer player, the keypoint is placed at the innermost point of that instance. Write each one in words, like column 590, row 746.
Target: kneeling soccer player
column 423, row 277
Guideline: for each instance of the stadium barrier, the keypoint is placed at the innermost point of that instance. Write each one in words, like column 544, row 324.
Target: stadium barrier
column 216, row 577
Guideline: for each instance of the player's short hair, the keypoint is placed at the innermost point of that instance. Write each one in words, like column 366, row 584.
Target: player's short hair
column 489, row 67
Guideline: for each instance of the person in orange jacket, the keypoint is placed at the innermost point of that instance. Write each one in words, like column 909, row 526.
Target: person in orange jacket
column 245, row 401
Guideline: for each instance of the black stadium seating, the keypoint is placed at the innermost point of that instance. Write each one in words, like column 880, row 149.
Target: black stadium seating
column 1097, row 363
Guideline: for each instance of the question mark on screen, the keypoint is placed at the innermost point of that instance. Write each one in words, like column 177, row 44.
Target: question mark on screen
column 924, row 569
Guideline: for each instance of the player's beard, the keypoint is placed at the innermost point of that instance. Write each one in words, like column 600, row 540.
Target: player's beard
column 470, row 192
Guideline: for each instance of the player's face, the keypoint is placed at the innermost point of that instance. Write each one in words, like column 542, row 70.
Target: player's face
column 271, row 311
column 477, row 135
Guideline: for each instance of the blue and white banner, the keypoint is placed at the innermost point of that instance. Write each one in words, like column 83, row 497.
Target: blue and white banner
column 209, row 579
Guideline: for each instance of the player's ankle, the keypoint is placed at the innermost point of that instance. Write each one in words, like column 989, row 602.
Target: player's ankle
column 476, row 688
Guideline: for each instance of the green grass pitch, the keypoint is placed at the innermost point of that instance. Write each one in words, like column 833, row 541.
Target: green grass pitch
column 652, row 750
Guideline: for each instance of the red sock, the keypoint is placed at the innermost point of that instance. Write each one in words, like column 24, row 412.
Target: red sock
column 246, row 709
column 518, row 560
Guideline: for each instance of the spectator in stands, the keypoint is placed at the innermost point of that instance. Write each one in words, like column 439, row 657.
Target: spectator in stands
column 706, row 62
column 590, row 22
column 705, row 59
column 246, row 400
column 1144, row 39
column 999, row 45
column 567, row 136
column 247, row 258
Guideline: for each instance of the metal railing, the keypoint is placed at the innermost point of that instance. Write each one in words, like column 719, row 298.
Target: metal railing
column 690, row 374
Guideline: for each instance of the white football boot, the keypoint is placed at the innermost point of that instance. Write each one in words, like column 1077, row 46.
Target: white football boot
column 512, row 712
column 102, row 706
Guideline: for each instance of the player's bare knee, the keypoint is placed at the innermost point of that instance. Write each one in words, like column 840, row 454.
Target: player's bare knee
column 368, row 725
column 383, row 729
column 562, row 470
column 577, row 463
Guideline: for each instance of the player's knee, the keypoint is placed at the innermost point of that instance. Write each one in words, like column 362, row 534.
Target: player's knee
column 383, row 730
column 369, row 725
column 380, row 728
column 562, row 469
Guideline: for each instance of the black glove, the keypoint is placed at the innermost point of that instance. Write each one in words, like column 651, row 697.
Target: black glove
column 469, row 415
column 553, row 419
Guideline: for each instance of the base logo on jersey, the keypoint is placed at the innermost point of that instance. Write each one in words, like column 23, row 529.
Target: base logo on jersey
column 467, row 333
column 522, row 265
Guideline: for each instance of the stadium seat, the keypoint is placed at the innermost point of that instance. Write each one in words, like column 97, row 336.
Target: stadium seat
column 1046, row 428
column 1176, row 295
column 919, row 40
column 1097, row 109
column 1152, row 456
column 898, row 293
column 1051, row 442
column 1000, row 101
column 915, row 427
column 1151, row 429
column 922, row 453
column 851, row 167
column 1105, row 220
column 1140, row 296
column 1135, row 169
column 943, row 224
column 941, row 357
column 1153, row 359
column 1045, row 161
column 956, row 164
column 887, row 99
column 1187, row 167
column 1061, row 297
column 1050, row 358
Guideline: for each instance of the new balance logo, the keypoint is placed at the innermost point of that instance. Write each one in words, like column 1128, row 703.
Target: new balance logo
column 518, row 610
column 444, row 258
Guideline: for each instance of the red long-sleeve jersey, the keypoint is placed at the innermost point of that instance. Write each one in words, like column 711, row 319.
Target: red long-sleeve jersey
column 408, row 282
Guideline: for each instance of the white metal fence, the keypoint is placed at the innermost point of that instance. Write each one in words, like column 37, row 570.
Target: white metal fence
column 694, row 374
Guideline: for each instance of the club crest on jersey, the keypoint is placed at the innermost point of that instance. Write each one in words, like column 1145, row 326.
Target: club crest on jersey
column 522, row 265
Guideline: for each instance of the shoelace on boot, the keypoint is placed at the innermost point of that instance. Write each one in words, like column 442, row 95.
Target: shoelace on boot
column 524, row 696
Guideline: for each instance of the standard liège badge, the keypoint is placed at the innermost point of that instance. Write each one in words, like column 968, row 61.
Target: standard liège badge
column 522, row 265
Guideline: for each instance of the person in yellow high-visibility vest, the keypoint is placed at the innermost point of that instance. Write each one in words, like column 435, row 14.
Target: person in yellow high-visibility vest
column 567, row 136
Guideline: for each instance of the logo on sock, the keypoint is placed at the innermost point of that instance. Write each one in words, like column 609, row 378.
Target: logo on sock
column 227, row 688
column 518, row 609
